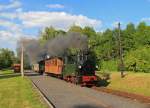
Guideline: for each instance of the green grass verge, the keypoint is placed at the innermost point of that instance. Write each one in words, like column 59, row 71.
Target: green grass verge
column 138, row 83
column 17, row 92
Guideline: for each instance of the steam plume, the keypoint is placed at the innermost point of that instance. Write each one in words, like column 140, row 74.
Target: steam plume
column 53, row 47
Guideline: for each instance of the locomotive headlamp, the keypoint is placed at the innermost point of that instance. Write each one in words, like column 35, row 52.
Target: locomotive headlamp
column 96, row 66
column 48, row 57
column 79, row 67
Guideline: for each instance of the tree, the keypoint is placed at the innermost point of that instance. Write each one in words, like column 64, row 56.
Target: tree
column 75, row 28
column 138, row 60
column 107, row 45
column 50, row 32
column 7, row 58
column 128, row 37
column 92, row 36
column 104, row 45
column 142, row 36
column 89, row 31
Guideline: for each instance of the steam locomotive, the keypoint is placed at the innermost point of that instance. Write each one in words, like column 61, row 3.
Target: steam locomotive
column 79, row 69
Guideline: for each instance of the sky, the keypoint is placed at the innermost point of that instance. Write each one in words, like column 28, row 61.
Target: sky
column 26, row 18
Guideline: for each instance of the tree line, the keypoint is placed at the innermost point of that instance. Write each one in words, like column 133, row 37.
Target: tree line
column 7, row 58
column 135, row 43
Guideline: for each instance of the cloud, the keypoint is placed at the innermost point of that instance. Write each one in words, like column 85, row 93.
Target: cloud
column 11, row 5
column 7, row 40
column 11, row 15
column 59, row 20
column 8, row 15
column 18, row 10
column 10, row 31
column 5, row 34
column 145, row 19
column 10, row 25
column 35, row 20
column 9, row 37
column 13, row 23
column 41, row 19
column 55, row 6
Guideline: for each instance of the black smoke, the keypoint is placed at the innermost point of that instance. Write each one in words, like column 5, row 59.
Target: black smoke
column 57, row 46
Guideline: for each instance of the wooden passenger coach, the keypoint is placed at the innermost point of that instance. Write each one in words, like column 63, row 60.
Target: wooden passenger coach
column 54, row 66
column 16, row 67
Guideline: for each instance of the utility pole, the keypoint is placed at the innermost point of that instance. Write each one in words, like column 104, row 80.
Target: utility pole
column 121, row 63
column 22, row 70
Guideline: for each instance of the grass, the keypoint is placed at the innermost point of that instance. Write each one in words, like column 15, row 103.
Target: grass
column 17, row 92
column 138, row 83
column 5, row 72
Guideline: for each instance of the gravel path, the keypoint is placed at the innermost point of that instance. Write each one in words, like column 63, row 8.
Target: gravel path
column 66, row 95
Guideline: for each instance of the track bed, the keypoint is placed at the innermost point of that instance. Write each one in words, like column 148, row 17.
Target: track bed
column 66, row 95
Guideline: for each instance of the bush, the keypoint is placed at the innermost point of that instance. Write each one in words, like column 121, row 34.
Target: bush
column 110, row 65
column 138, row 60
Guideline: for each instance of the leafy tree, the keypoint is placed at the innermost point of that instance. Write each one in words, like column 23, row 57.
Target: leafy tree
column 138, row 60
column 89, row 31
column 50, row 32
column 128, row 37
column 92, row 36
column 106, row 45
column 142, row 35
column 135, row 42
column 75, row 28
column 6, row 58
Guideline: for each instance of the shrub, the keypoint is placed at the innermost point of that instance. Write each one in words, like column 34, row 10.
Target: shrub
column 138, row 60
column 110, row 65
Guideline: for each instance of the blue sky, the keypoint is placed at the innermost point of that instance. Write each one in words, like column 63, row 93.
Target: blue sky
column 25, row 18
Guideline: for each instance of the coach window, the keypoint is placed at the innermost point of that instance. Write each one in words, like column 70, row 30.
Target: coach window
column 55, row 61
